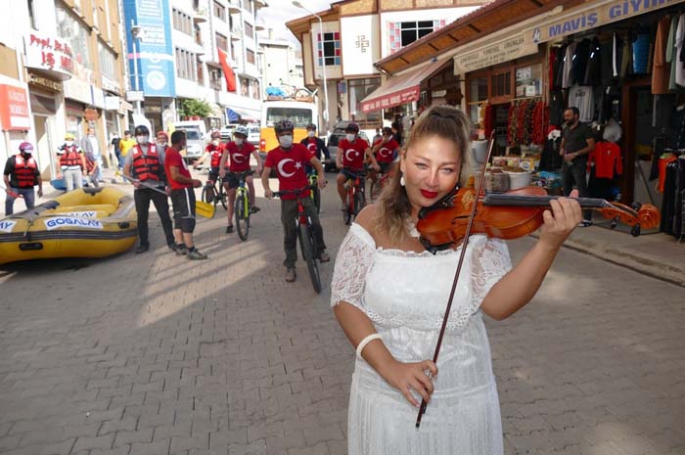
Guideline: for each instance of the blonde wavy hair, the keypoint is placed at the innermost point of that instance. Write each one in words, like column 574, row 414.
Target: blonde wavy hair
column 446, row 122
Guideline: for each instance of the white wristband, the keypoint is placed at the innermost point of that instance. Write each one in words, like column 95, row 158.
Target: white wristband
column 365, row 341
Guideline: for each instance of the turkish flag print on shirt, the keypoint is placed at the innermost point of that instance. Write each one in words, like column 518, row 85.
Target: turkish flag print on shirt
column 290, row 168
column 240, row 156
column 385, row 153
column 353, row 153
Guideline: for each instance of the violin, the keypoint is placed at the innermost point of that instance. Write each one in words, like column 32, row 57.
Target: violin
column 512, row 215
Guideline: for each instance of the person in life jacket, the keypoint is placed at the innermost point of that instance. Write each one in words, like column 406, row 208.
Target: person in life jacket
column 316, row 147
column 21, row 176
column 144, row 165
column 72, row 163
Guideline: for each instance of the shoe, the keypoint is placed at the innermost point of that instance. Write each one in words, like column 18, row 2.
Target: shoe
column 180, row 249
column 344, row 207
column 229, row 229
column 290, row 275
column 254, row 209
column 195, row 255
column 324, row 257
column 585, row 223
column 142, row 249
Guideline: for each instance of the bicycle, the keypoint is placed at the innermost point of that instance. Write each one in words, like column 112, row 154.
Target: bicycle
column 356, row 196
column 305, row 234
column 315, row 193
column 242, row 208
column 212, row 195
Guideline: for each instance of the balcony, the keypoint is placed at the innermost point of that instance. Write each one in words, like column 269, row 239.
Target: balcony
column 259, row 3
column 234, row 7
column 200, row 16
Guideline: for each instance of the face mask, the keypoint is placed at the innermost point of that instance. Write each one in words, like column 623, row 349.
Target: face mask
column 238, row 141
column 215, row 143
column 286, row 141
column 143, row 140
column 69, row 143
column 26, row 155
column 311, row 133
column 161, row 143
column 350, row 137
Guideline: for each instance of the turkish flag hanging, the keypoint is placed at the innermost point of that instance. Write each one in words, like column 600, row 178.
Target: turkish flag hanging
column 228, row 71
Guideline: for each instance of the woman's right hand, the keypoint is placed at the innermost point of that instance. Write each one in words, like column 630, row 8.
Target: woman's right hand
column 407, row 376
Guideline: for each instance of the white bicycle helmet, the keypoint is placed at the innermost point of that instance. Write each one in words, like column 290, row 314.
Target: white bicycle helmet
column 241, row 130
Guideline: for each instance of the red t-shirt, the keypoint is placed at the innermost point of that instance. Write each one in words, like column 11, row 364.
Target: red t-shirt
column 215, row 152
column 311, row 145
column 290, row 168
column 607, row 159
column 353, row 153
column 385, row 153
column 239, row 156
column 173, row 158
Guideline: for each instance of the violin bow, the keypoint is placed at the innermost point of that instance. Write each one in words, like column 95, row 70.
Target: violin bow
column 424, row 404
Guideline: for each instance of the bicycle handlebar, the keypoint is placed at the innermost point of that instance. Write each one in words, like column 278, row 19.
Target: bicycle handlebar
column 296, row 192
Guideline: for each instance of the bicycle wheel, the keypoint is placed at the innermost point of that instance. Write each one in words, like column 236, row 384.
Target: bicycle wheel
column 359, row 202
column 223, row 197
column 349, row 209
column 316, row 195
column 242, row 215
column 308, row 245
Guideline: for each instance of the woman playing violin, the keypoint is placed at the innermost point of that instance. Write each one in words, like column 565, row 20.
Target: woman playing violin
column 394, row 323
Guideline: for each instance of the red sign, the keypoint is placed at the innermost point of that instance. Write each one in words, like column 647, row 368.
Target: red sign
column 403, row 96
column 14, row 108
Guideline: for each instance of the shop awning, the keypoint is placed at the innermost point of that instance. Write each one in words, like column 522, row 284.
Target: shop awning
column 246, row 114
column 401, row 89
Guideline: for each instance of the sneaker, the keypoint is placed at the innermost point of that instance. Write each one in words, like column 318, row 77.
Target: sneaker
column 290, row 275
column 142, row 249
column 585, row 223
column 324, row 257
column 254, row 209
column 229, row 229
column 181, row 249
column 344, row 207
column 195, row 255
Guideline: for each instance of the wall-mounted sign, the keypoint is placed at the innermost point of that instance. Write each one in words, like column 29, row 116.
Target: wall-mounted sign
column 493, row 54
column 133, row 95
column 49, row 53
column 591, row 16
column 44, row 82
column 14, row 108
column 112, row 103
column 110, row 85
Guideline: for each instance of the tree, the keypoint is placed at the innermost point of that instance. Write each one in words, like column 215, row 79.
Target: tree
column 196, row 108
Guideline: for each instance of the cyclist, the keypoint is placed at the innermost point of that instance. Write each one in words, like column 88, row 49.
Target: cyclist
column 385, row 150
column 214, row 150
column 316, row 147
column 238, row 151
column 290, row 160
column 353, row 152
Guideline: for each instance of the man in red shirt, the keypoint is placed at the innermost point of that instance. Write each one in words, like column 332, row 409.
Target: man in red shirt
column 385, row 150
column 353, row 152
column 182, row 196
column 290, row 161
column 239, row 151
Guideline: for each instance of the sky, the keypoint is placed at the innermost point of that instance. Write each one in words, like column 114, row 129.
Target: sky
column 281, row 11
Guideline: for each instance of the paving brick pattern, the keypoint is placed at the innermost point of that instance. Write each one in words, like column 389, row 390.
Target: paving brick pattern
column 154, row 354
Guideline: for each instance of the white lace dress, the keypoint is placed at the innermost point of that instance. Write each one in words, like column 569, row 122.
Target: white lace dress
column 405, row 294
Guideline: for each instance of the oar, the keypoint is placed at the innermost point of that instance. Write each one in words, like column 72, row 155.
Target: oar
column 12, row 193
column 203, row 209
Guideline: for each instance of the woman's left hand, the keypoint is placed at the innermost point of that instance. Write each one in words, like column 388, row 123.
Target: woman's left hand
column 561, row 220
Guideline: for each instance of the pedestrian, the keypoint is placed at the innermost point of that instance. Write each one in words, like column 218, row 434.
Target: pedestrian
column 145, row 164
column 21, row 176
column 72, row 163
column 162, row 141
column 125, row 145
column 395, row 324
column 182, row 197
column 238, row 152
column 577, row 142
column 116, row 139
column 290, row 160
column 91, row 147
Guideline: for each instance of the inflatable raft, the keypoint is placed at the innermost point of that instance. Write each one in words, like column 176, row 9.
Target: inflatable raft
column 89, row 222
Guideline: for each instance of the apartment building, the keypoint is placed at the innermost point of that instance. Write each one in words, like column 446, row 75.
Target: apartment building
column 281, row 64
column 60, row 71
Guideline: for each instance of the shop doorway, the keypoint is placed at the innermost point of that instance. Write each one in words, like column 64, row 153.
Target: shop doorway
column 43, row 126
column 641, row 142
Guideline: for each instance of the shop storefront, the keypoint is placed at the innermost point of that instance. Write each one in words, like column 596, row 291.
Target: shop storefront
column 14, row 118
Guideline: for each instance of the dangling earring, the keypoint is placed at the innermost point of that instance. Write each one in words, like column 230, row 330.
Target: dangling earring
column 402, row 180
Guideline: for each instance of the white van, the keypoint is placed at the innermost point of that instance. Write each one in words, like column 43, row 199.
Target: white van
column 196, row 137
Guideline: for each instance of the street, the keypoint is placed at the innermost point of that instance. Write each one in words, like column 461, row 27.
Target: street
column 155, row 354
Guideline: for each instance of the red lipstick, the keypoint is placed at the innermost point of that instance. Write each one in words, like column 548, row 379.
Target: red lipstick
column 429, row 194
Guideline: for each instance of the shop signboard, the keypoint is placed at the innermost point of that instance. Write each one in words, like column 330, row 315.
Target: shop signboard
column 78, row 90
column 49, row 53
column 493, row 54
column 360, row 37
column 154, row 54
column 112, row 103
column 110, row 85
column 14, row 108
column 135, row 95
column 593, row 15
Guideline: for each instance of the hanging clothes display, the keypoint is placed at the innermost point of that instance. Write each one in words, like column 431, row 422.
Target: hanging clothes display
column 661, row 68
column 593, row 71
column 679, row 46
column 583, row 98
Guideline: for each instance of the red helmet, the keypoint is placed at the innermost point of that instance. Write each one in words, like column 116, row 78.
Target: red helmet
column 216, row 134
column 352, row 128
column 163, row 134
column 26, row 147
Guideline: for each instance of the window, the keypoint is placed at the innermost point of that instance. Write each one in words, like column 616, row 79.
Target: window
column 249, row 31
column 107, row 62
column 402, row 34
column 478, row 98
column 500, row 86
column 528, row 81
column 329, row 48
column 244, row 86
column 300, row 117
column 186, row 64
column 255, row 90
column 182, row 22
column 220, row 11
column 221, row 42
column 358, row 90
column 71, row 30
column 250, row 56
column 214, row 78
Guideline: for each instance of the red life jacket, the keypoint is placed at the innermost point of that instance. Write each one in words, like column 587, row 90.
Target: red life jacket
column 71, row 157
column 216, row 156
column 25, row 171
column 146, row 167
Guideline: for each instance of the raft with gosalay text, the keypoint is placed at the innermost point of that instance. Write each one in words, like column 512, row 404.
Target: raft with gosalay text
column 84, row 223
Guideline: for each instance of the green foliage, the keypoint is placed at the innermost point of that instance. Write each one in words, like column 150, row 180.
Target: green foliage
column 199, row 108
